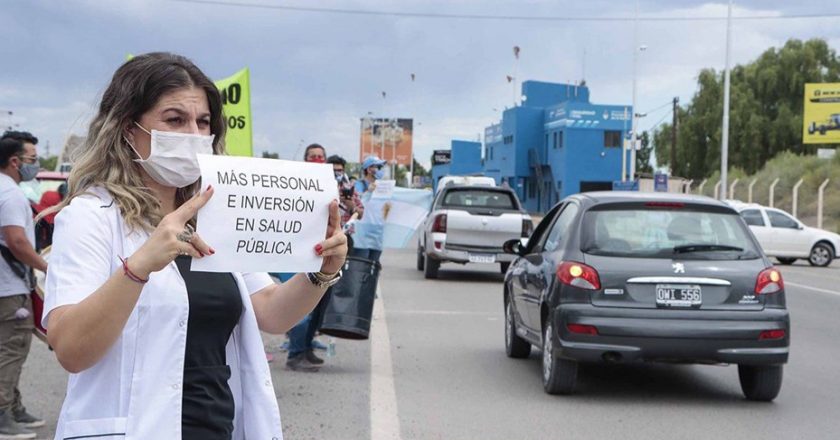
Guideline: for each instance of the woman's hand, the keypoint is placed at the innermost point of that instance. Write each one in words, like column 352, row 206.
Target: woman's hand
column 334, row 248
column 164, row 245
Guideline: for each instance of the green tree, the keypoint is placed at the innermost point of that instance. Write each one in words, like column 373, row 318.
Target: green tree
column 765, row 110
column 643, row 164
column 49, row 163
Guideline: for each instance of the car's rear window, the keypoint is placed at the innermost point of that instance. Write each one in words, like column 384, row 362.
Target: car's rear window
column 479, row 198
column 667, row 233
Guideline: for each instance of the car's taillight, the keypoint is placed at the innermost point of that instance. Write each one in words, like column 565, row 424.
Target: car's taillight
column 771, row 334
column 578, row 275
column 665, row 205
column 769, row 281
column 527, row 227
column 582, row 329
column 440, row 223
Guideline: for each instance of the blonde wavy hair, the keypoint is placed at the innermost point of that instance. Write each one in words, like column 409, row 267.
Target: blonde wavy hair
column 106, row 160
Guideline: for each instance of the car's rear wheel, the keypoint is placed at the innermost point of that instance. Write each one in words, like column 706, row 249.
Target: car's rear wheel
column 559, row 375
column 821, row 255
column 430, row 268
column 504, row 267
column 760, row 382
column 787, row 261
column 515, row 347
column 421, row 258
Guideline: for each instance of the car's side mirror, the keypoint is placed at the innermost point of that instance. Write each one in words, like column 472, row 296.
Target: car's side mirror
column 515, row 246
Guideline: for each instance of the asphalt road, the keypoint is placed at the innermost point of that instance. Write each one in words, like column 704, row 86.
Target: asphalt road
column 435, row 369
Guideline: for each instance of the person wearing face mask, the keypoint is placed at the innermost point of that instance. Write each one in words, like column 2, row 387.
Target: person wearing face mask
column 367, row 239
column 349, row 203
column 18, row 163
column 155, row 350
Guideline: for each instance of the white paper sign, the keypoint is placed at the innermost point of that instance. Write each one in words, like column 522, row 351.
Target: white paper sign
column 266, row 215
column 384, row 189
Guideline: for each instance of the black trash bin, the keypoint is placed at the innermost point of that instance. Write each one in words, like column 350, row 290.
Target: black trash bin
column 350, row 307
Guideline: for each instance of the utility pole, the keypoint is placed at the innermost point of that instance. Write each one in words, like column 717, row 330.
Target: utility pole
column 724, row 144
column 674, row 137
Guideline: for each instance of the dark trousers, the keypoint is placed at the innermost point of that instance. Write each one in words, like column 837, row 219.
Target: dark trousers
column 301, row 335
column 15, row 340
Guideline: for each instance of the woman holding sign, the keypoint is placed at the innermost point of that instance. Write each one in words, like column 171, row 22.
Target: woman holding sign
column 157, row 351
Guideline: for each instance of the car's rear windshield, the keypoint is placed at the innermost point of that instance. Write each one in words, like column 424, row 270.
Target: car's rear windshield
column 667, row 233
column 479, row 198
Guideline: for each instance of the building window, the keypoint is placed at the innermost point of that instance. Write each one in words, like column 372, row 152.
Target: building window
column 555, row 140
column 508, row 139
column 532, row 189
column 559, row 139
column 612, row 138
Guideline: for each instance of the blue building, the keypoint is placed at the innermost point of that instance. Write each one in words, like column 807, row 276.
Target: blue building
column 464, row 159
column 555, row 144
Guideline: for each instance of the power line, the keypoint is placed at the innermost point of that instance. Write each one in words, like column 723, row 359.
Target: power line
column 658, row 108
column 532, row 18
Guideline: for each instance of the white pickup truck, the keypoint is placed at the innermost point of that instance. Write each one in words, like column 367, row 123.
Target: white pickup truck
column 469, row 224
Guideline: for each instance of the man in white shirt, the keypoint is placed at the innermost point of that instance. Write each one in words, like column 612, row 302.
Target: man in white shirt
column 18, row 162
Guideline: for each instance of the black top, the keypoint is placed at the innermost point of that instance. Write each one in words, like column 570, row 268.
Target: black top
column 215, row 307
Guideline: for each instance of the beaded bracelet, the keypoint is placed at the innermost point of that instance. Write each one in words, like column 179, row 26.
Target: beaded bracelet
column 131, row 274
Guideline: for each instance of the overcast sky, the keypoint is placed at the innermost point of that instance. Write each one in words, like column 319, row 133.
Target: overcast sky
column 313, row 75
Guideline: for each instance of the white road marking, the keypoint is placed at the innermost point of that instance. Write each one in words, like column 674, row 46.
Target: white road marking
column 815, row 289
column 384, row 419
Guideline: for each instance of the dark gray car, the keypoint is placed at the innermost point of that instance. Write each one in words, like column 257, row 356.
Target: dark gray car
column 625, row 277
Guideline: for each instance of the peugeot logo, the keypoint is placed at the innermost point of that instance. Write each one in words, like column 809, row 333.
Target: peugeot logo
column 678, row 267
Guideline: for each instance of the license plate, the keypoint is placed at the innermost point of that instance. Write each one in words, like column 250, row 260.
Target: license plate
column 678, row 295
column 482, row 258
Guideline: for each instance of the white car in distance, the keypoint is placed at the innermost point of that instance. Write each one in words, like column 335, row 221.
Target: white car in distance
column 787, row 239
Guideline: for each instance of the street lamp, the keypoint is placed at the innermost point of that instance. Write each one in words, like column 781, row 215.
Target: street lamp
column 633, row 125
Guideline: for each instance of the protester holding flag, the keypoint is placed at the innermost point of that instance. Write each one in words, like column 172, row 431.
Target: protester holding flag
column 367, row 240
column 158, row 351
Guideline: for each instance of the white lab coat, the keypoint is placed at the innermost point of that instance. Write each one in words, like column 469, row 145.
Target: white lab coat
column 134, row 391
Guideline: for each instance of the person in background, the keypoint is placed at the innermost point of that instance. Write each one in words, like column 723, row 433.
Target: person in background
column 349, row 201
column 302, row 344
column 18, row 163
column 367, row 240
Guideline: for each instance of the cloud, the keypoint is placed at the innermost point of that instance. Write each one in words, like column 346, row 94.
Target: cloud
column 314, row 75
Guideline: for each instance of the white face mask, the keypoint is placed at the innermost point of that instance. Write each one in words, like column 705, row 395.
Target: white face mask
column 172, row 161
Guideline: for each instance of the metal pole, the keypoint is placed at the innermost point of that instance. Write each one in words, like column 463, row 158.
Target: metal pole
column 796, row 195
column 717, row 188
column 820, row 203
column 732, row 188
column 633, row 115
column 688, row 186
column 624, row 150
column 750, row 191
column 702, row 184
column 724, row 145
column 773, row 192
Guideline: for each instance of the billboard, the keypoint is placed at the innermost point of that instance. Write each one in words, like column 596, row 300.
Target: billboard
column 388, row 138
column 821, row 117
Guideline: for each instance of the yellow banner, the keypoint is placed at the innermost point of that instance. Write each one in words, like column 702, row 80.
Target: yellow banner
column 236, row 100
column 821, row 118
